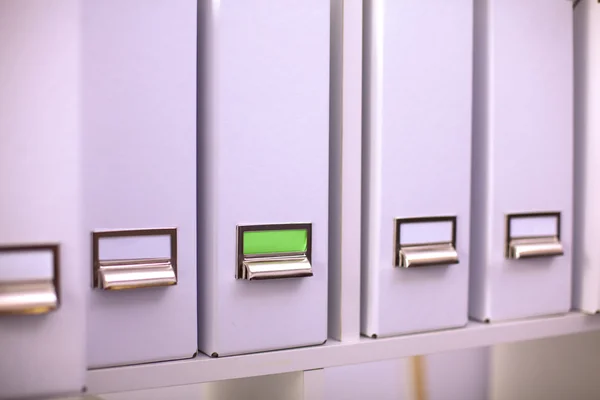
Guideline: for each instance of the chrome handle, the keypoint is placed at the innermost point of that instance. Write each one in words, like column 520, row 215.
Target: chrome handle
column 31, row 296
column 426, row 255
column 123, row 274
column 519, row 246
column 535, row 247
column 276, row 264
column 132, row 274
column 276, row 267
column 408, row 254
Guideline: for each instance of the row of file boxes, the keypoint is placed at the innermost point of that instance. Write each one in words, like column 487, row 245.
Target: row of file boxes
column 205, row 158
column 431, row 119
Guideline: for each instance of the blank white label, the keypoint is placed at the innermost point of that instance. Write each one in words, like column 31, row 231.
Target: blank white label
column 134, row 247
column 425, row 232
column 533, row 226
column 26, row 265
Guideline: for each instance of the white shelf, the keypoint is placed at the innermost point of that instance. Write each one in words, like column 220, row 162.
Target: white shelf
column 333, row 353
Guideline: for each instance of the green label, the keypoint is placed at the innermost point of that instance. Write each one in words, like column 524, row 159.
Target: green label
column 279, row 241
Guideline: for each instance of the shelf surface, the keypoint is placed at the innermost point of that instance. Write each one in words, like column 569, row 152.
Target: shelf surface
column 333, row 353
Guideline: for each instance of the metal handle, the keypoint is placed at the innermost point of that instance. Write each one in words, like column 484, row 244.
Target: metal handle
column 276, row 268
column 134, row 273
column 427, row 255
column 31, row 296
column 408, row 254
column 276, row 265
column 523, row 246
column 535, row 247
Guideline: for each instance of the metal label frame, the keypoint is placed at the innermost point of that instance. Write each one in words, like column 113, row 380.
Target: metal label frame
column 398, row 222
column 97, row 235
column 54, row 248
column 543, row 214
column 241, row 229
